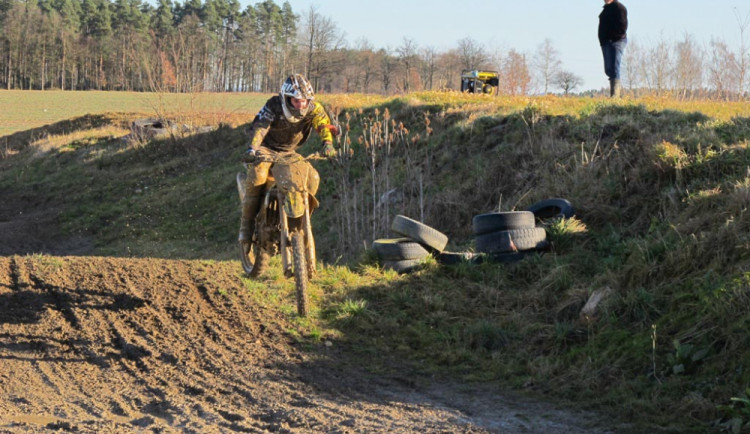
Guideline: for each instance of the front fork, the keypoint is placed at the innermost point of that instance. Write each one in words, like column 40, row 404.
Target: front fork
column 286, row 261
column 309, row 240
column 286, row 264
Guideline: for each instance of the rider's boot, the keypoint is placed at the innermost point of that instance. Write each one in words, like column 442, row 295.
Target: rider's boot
column 250, row 207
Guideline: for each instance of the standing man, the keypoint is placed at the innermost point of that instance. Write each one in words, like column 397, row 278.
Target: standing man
column 613, row 27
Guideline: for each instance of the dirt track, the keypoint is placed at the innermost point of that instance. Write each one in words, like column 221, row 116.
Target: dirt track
column 93, row 344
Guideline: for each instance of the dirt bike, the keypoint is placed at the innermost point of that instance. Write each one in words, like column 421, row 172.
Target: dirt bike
column 282, row 225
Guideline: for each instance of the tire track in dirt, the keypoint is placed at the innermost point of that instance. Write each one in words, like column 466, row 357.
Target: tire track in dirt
column 35, row 353
column 87, row 383
column 143, row 359
column 191, row 310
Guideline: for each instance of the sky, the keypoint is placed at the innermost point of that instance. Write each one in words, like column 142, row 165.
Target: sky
column 523, row 25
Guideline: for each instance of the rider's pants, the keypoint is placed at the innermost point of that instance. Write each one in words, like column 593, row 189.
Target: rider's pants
column 257, row 174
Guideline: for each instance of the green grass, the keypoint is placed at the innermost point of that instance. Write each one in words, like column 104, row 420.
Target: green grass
column 661, row 191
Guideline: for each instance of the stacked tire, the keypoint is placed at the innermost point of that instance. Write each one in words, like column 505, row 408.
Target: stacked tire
column 507, row 236
column 416, row 241
column 552, row 209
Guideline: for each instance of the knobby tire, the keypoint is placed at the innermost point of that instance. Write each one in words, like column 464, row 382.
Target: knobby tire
column 300, row 272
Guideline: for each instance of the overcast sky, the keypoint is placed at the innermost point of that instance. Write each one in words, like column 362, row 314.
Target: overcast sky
column 524, row 25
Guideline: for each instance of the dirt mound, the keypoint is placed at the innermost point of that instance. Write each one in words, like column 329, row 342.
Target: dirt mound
column 27, row 226
column 103, row 344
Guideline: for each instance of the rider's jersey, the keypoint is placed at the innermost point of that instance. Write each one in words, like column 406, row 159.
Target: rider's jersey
column 271, row 129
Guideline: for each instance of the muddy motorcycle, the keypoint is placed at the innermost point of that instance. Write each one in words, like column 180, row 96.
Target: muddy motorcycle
column 282, row 225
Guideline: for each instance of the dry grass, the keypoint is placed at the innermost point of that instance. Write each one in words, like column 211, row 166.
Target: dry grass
column 24, row 110
column 78, row 139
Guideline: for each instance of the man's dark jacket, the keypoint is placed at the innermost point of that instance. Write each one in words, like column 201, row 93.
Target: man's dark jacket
column 613, row 23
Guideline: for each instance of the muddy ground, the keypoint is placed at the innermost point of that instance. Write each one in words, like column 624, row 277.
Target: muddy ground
column 94, row 344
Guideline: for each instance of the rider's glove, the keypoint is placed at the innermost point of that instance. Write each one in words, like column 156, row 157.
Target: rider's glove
column 253, row 155
column 328, row 150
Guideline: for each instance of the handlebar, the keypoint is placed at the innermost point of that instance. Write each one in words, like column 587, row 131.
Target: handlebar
column 281, row 157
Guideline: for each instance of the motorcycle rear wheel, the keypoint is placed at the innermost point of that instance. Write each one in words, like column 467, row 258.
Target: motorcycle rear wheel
column 300, row 272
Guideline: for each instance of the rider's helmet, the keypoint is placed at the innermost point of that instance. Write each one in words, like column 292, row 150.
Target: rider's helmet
column 296, row 86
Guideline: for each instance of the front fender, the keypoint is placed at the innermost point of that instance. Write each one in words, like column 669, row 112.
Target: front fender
column 294, row 204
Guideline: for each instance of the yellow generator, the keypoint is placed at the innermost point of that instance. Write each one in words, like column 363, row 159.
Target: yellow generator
column 475, row 81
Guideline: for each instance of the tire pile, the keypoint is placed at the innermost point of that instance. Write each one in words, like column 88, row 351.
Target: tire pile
column 498, row 237
column 509, row 236
column 416, row 241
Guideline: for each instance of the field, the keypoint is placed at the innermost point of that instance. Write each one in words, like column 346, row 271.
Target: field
column 124, row 309
column 24, row 110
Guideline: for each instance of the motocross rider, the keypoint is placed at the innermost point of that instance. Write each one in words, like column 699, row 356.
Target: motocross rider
column 283, row 124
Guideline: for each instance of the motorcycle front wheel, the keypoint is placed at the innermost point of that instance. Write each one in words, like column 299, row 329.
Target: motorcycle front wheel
column 300, row 272
column 253, row 260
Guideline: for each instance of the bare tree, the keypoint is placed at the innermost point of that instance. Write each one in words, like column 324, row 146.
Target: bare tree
column 448, row 75
column 743, row 57
column 722, row 72
column 657, row 65
column 515, row 78
column 407, row 56
column 366, row 64
column 428, row 67
column 632, row 62
column 688, row 67
column 472, row 54
column 320, row 38
column 387, row 66
column 567, row 81
column 546, row 64
column 309, row 31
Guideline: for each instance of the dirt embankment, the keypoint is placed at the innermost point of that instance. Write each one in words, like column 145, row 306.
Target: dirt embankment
column 93, row 344
column 29, row 226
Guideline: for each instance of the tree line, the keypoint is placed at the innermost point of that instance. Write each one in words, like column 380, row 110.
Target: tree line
column 214, row 45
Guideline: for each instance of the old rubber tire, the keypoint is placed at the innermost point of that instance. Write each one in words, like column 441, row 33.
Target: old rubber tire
column 454, row 258
column 552, row 208
column 514, row 240
column 419, row 232
column 499, row 258
column 403, row 266
column 397, row 249
column 502, row 221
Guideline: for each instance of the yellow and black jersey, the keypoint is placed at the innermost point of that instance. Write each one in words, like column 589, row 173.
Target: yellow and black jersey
column 271, row 128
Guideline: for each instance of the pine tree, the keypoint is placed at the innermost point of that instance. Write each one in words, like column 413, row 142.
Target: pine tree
column 5, row 6
column 190, row 7
column 162, row 21
column 97, row 18
column 269, row 25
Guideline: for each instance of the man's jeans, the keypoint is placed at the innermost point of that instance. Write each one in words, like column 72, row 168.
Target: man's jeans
column 612, row 52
